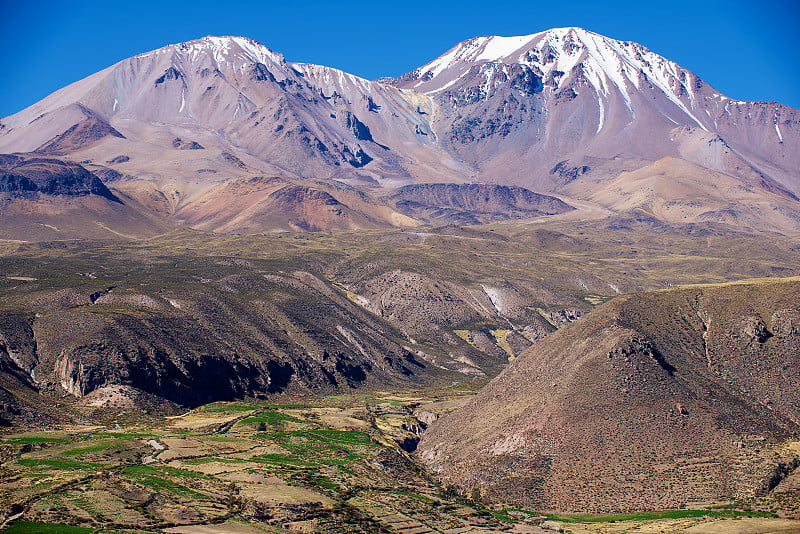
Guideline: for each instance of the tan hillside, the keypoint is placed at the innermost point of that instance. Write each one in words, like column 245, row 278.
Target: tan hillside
column 678, row 191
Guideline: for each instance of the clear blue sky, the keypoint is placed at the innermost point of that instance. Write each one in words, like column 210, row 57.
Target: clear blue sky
column 749, row 50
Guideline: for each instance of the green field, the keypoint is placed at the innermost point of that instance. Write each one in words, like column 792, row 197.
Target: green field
column 365, row 482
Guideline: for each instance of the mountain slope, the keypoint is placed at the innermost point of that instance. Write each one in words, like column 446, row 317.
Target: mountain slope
column 652, row 401
column 669, row 190
column 46, row 198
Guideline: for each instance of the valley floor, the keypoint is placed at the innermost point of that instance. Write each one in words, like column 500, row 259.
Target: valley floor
column 334, row 463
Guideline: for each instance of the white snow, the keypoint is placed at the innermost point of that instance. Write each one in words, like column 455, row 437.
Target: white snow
column 607, row 58
column 445, row 86
column 602, row 113
column 605, row 61
column 778, row 131
column 334, row 79
column 500, row 47
column 115, row 105
column 183, row 100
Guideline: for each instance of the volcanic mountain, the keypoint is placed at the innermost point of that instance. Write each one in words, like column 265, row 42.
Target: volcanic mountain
column 652, row 401
column 563, row 111
column 517, row 107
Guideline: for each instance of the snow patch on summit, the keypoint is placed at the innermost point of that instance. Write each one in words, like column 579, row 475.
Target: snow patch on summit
column 499, row 47
column 605, row 63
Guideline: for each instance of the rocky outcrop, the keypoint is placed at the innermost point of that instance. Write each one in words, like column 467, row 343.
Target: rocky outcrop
column 473, row 203
column 542, row 112
column 51, row 177
column 181, row 144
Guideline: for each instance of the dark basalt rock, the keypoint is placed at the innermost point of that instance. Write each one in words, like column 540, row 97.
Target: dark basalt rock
column 170, row 74
column 14, row 183
column 568, row 173
column 359, row 158
column 180, row 144
column 9, row 161
column 230, row 158
column 260, row 73
column 473, row 203
column 296, row 194
column 52, row 177
column 359, row 129
column 372, row 106
column 566, row 95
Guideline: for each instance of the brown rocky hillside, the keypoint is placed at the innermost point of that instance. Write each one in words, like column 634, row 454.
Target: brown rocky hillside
column 655, row 400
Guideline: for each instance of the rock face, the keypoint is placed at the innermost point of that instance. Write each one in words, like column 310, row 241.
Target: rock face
column 47, row 198
column 216, row 342
column 473, row 203
column 50, row 177
column 78, row 136
column 649, row 402
column 231, row 94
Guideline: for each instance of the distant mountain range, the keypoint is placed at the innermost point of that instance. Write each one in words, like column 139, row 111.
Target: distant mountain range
column 223, row 134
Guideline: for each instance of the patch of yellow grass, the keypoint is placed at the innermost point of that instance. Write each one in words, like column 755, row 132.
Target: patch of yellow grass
column 466, row 335
column 502, row 341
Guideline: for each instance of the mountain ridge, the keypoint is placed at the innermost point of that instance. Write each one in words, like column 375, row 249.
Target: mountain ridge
column 563, row 111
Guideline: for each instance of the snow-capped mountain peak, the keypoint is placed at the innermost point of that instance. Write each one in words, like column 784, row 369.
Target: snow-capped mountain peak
column 555, row 54
column 222, row 49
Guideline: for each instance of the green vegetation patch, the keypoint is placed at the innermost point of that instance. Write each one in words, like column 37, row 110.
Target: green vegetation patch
column 33, row 440
column 210, row 459
column 416, row 496
column 269, row 418
column 283, row 460
column 313, row 448
column 99, row 446
column 351, row 437
column 57, row 463
column 230, row 407
column 661, row 514
column 143, row 477
column 163, row 470
column 27, row 527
